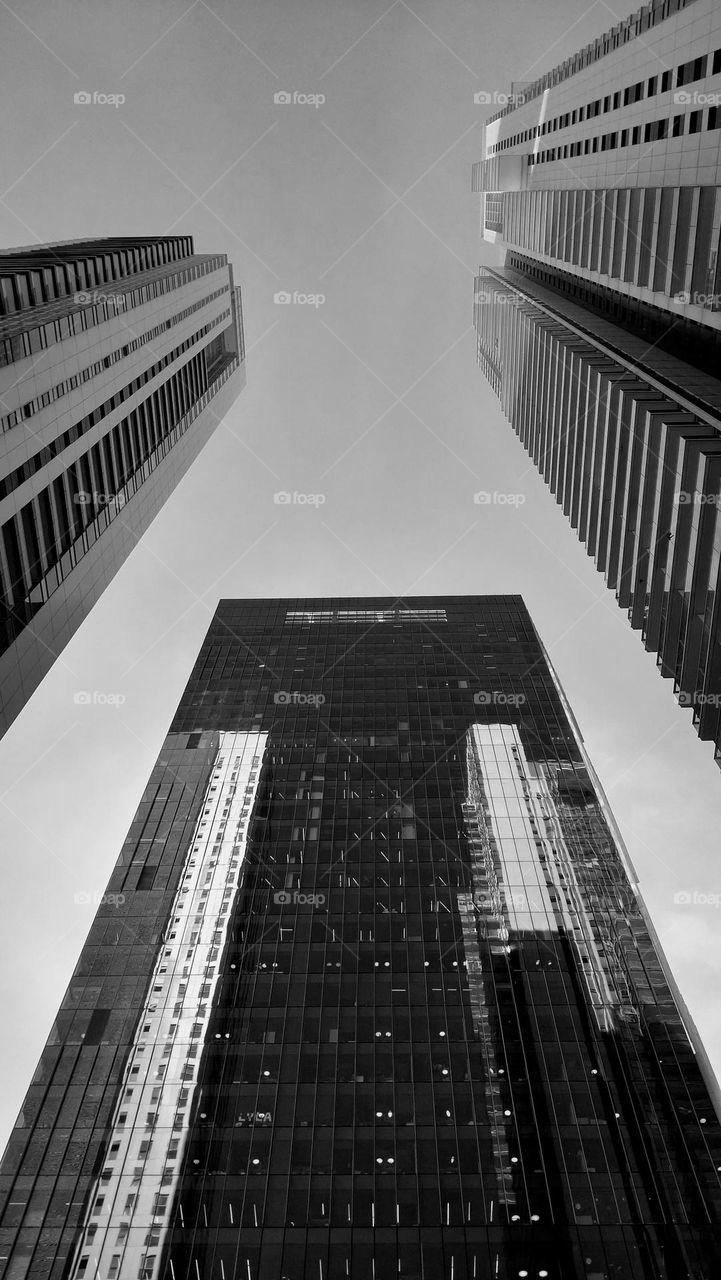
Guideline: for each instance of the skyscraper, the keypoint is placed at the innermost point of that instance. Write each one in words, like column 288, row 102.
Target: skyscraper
column 601, row 332
column 111, row 352
column 627, row 440
column 371, row 993
column 607, row 168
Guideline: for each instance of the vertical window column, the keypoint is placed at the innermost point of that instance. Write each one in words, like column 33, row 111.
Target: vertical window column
column 607, row 230
column 15, row 569
column 682, row 261
column 48, row 535
column 668, row 212
column 706, row 240
column 620, row 235
column 65, row 521
column 633, row 238
column 32, row 543
column 649, row 224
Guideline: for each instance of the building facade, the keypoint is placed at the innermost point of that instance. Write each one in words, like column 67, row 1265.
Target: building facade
column 626, row 439
column 118, row 358
column 608, row 167
column 371, row 993
column 601, row 330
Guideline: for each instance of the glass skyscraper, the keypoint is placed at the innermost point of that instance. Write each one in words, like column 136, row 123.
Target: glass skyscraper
column 118, row 358
column 371, row 992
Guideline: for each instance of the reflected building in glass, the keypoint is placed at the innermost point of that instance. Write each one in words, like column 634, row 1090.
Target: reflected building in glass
column 118, row 358
column 371, row 993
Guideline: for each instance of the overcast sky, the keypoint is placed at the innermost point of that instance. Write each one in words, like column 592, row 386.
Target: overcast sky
column 372, row 399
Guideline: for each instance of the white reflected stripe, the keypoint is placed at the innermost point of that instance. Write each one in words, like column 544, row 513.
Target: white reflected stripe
column 160, row 1079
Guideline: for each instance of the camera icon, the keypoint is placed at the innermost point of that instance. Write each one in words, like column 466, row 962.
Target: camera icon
column 683, row 298
column 282, row 897
column 481, row 99
column 283, row 298
column 282, row 498
column 82, row 98
column 82, row 698
column 82, row 497
column 682, row 98
column 282, row 98
column 282, row 699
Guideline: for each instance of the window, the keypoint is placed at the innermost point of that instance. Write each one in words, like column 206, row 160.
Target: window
column 690, row 71
column 633, row 94
column 655, row 130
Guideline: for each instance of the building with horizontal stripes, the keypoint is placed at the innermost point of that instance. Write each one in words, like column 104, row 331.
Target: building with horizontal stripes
column 372, row 993
column 601, row 330
column 608, row 167
column 118, row 358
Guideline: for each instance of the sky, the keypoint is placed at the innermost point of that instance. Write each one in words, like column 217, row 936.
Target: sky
column 367, row 400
